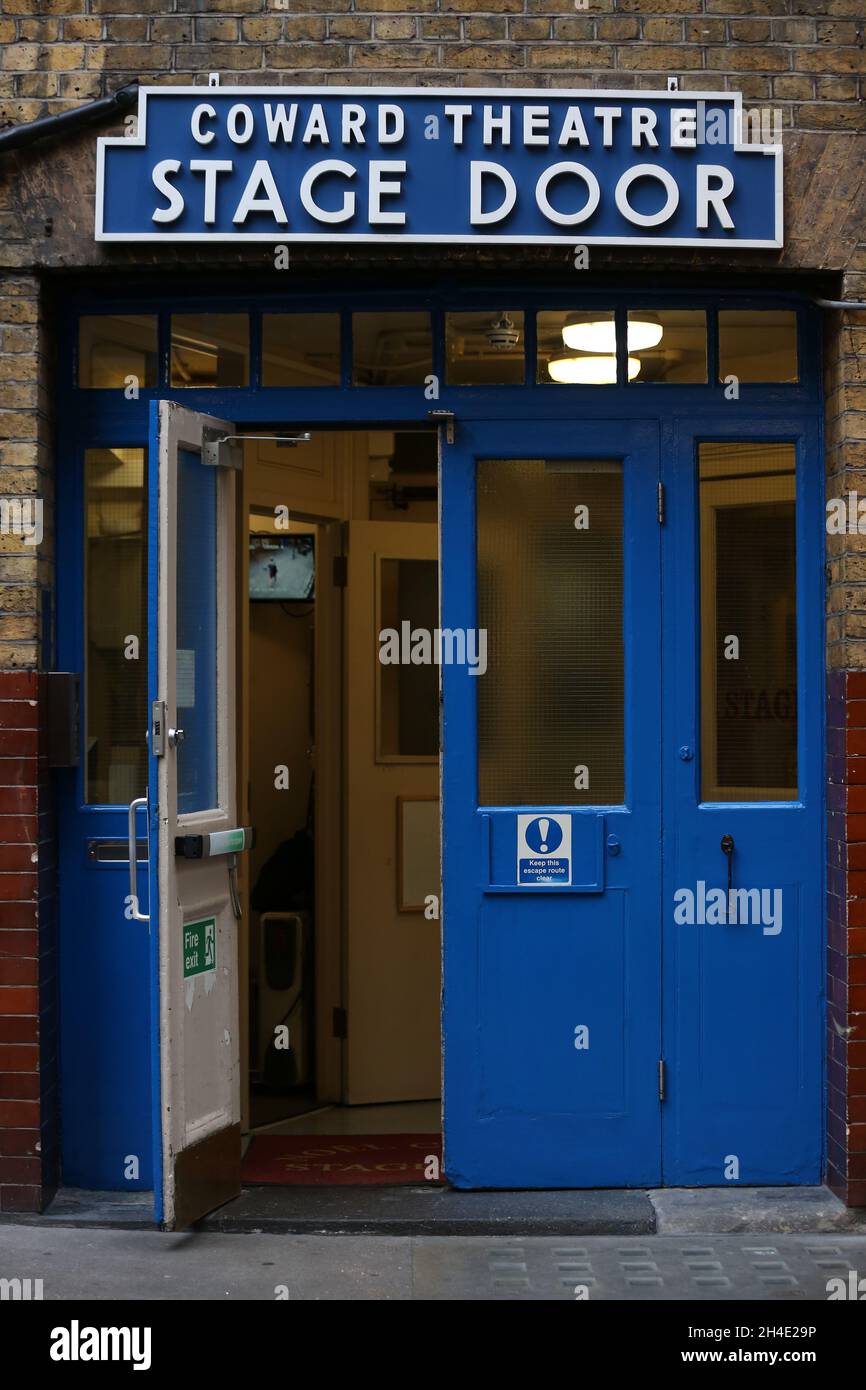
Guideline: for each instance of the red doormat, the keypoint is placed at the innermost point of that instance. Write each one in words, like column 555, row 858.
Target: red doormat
column 342, row 1160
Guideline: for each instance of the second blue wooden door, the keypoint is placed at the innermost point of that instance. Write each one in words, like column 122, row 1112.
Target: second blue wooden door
column 632, row 804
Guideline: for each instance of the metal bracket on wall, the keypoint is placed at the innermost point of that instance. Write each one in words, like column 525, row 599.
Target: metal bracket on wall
column 223, row 451
column 446, row 418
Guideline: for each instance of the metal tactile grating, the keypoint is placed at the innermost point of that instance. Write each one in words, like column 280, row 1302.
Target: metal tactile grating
column 703, row 1269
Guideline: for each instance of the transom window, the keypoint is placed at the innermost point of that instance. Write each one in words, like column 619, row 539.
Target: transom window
column 569, row 347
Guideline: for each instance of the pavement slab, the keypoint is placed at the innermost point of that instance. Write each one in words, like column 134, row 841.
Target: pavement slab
column 655, row 1269
column 119, row 1265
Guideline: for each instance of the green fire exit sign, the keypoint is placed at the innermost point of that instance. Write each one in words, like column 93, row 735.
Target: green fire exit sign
column 199, row 947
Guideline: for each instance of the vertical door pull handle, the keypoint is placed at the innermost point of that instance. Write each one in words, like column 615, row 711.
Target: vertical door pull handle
column 232, row 865
column 727, row 847
column 134, row 805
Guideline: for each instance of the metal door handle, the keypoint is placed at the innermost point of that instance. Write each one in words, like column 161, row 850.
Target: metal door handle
column 232, row 863
column 134, row 805
column 175, row 736
column 727, row 848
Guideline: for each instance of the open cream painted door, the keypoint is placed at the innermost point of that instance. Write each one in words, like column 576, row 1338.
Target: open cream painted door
column 392, row 1048
column 192, row 516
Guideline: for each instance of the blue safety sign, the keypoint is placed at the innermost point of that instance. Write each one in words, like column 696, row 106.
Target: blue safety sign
column 544, row 849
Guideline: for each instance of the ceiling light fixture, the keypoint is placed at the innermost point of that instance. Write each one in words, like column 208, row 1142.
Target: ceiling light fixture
column 585, row 333
column 589, row 371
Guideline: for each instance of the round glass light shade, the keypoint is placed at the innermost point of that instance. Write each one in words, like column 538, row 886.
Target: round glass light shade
column 589, row 371
column 599, row 335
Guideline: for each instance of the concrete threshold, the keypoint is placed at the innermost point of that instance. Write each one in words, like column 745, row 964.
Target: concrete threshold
column 434, row 1211
column 444, row 1211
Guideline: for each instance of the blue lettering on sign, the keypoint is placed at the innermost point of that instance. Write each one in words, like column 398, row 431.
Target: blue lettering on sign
column 325, row 164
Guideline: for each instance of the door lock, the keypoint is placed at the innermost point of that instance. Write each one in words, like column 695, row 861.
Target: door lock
column 175, row 736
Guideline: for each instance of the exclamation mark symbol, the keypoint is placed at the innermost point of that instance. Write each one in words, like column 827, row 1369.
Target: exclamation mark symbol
column 544, row 826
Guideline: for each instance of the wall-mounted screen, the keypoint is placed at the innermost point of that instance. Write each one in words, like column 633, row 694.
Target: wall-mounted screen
column 283, row 568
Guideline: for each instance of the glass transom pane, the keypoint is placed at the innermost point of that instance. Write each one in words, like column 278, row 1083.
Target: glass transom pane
column 116, row 351
column 758, row 344
column 484, row 349
column 391, row 349
column 210, row 350
column 300, row 349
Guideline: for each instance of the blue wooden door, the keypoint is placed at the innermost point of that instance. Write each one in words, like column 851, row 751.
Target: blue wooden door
column 552, row 812
column 743, row 763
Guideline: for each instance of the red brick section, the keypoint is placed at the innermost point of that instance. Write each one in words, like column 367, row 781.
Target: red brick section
column 28, row 968
column 846, row 935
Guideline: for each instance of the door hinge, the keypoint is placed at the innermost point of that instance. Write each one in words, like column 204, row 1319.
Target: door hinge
column 661, row 1078
column 340, row 1025
column 341, row 571
column 660, row 503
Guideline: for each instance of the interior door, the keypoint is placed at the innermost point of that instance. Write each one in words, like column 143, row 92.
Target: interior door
column 195, row 835
column 551, row 800
column 744, row 786
column 392, row 958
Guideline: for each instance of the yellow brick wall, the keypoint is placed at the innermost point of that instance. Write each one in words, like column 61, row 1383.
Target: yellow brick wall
column 805, row 56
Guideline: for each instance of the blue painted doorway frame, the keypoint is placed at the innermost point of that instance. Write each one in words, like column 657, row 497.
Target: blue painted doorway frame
column 109, row 1068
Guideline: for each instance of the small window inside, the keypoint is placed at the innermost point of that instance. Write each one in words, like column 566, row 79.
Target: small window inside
column 408, row 703
column 577, row 348
column 403, row 475
column 300, row 349
column 392, row 349
column 758, row 345
column 112, row 348
column 210, row 350
column 484, row 349
column 670, row 345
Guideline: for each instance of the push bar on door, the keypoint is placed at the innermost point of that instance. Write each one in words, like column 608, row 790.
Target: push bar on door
column 221, row 842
